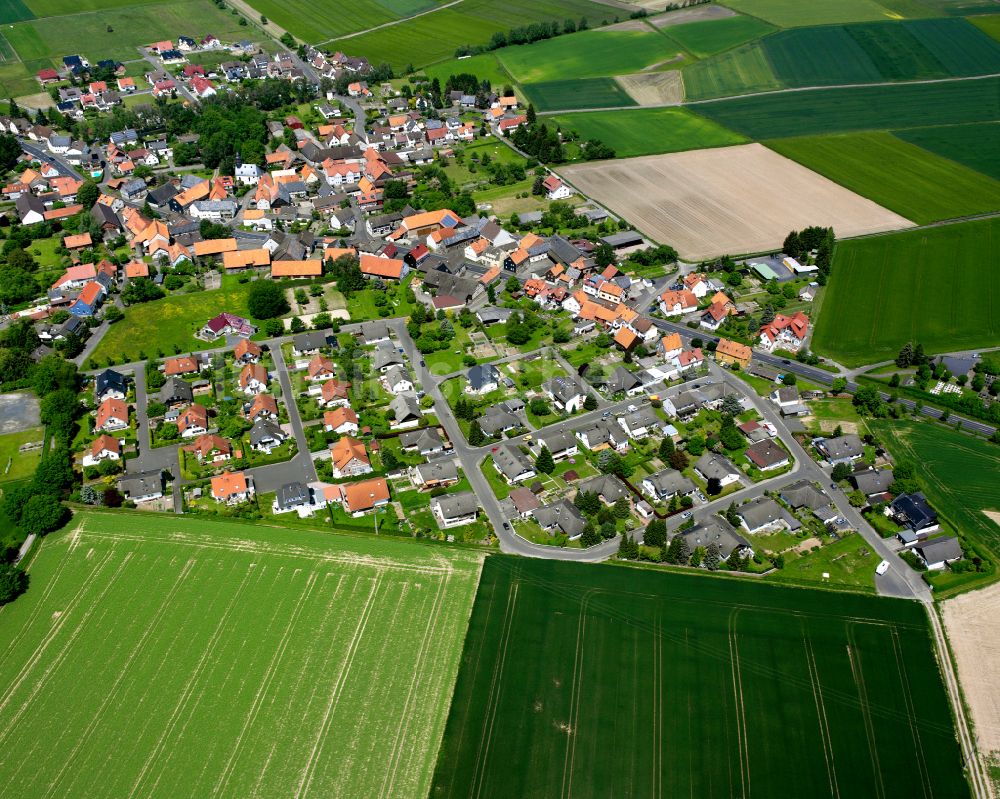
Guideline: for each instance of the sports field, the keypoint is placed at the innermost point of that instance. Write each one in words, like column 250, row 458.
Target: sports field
column 977, row 146
column 588, row 54
column 597, row 681
column 911, row 181
column 470, row 22
column 646, row 131
column 807, row 113
column 697, row 201
column 564, row 95
column 939, row 286
column 218, row 659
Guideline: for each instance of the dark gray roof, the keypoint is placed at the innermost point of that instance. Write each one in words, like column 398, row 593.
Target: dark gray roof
column 142, row 484
column 265, row 429
column 718, row 531
column 842, row 447
column 873, row 481
column 481, row 374
column 438, row 470
column 453, row 506
column 563, row 389
column 606, row 486
column 176, row 389
column 313, row 340
column 562, row 515
column 427, row 439
column 803, row 494
column 669, row 482
column 622, row 380
column 406, row 406
column 386, row 354
column 496, row 419
column 511, row 462
column 914, row 511
column 292, row 495
column 711, row 464
column 938, row 550
column 761, row 512
column 556, row 441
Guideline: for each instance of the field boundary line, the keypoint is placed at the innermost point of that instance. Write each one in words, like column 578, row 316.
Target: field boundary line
column 51, row 635
column 859, row 681
column 123, row 673
column 403, row 729
column 904, row 681
column 391, row 23
column 53, row 581
column 251, row 547
column 62, row 654
column 310, row 769
column 479, row 775
column 824, row 726
column 188, row 689
column 567, row 786
column 742, row 744
column 265, row 685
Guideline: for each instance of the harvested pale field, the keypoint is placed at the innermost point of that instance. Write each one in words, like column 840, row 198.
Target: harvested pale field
column 972, row 622
column 741, row 199
column 684, row 15
column 627, row 25
column 654, row 88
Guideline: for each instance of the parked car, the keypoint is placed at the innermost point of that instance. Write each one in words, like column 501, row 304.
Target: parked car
column 882, row 568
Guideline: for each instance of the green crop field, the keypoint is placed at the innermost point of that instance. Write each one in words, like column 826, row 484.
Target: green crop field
column 795, row 13
column 485, row 67
column 117, row 32
column 646, row 131
column 588, row 54
column 977, row 146
column 742, row 70
column 222, row 659
column 901, row 176
column 14, row 11
column 989, row 24
column 563, row 95
column 958, row 473
column 715, row 35
column 316, row 20
column 599, row 682
column 939, row 286
column 470, row 22
column 807, row 113
column 834, row 55
column 59, row 8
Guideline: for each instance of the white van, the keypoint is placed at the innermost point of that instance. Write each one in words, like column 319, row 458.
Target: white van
column 882, row 568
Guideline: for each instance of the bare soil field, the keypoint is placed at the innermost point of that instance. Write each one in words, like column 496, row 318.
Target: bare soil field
column 654, row 88
column 679, row 17
column 627, row 25
column 972, row 622
column 734, row 200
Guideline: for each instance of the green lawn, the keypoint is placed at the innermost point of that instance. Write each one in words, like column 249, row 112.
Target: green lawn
column 900, row 176
column 850, row 562
column 588, row 54
column 485, row 67
column 960, row 475
column 501, row 489
column 707, row 687
column 170, row 322
column 316, row 20
column 646, row 131
column 939, row 287
column 229, row 659
column 16, row 465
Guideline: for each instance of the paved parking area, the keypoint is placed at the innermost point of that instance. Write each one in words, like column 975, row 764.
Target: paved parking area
column 18, row 411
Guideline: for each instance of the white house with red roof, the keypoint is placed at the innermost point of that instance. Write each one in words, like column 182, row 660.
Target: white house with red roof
column 555, row 189
column 785, row 332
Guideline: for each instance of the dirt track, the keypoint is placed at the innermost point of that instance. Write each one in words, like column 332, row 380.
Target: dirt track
column 741, row 199
column 972, row 622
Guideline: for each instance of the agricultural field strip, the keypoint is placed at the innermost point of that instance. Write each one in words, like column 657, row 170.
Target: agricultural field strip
column 177, row 720
column 590, row 603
